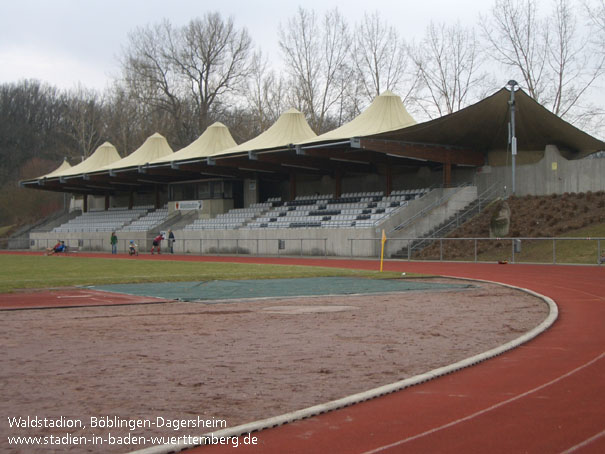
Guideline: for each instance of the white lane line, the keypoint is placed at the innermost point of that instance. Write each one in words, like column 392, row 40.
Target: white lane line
column 82, row 295
column 485, row 410
column 584, row 443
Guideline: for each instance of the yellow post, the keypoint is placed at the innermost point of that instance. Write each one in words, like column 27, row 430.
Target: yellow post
column 384, row 240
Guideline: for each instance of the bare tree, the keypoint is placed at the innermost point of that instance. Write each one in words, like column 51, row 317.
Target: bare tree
column 266, row 93
column 575, row 66
column 596, row 23
column 316, row 55
column 517, row 39
column 381, row 58
column 127, row 120
column 556, row 63
column 448, row 64
column 595, row 118
column 596, row 14
column 214, row 60
column 187, row 71
column 84, row 119
column 32, row 120
column 148, row 72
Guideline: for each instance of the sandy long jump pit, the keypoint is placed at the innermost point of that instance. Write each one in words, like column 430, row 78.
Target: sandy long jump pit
column 187, row 367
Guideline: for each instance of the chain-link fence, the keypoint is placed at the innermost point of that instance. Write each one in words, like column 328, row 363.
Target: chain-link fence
column 511, row 250
column 206, row 246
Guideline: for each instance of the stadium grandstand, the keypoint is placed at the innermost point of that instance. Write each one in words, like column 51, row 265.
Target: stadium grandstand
column 291, row 191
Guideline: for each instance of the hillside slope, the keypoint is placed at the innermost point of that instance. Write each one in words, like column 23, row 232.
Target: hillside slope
column 531, row 217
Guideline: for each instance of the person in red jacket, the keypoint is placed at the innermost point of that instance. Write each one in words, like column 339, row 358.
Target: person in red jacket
column 157, row 242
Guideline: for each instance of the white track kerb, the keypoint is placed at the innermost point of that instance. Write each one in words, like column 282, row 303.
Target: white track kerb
column 315, row 410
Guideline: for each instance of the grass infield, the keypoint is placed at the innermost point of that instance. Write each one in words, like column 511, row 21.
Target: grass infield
column 36, row 272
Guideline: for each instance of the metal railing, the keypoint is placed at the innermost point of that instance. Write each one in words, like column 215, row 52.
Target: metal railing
column 461, row 216
column 487, row 194
column 512, row 250
column 473, row 208
column 217, row 246
column 409, row 221
column 555, row 250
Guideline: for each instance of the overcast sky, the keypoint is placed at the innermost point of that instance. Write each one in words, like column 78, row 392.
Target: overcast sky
column 66, row 42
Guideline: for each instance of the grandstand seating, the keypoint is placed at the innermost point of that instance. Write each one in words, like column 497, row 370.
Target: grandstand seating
column 233, row 219
column 102, row 221
column 350, row 210
column 148, row 222
column 354, row 209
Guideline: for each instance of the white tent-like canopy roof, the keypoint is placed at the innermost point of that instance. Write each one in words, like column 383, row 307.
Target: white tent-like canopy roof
column 386, row 113
column 153, row 148
column 291, row 127
column 102, row 156
column 215, row 139
column 62, row 168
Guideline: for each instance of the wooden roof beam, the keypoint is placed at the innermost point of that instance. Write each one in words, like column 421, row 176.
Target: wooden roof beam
column 426, row 152
column 250, row 164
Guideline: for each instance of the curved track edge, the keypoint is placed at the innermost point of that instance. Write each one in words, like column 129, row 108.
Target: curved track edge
column 400, row 385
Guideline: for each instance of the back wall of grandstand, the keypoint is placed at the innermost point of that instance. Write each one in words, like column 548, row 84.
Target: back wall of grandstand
column 544, row 173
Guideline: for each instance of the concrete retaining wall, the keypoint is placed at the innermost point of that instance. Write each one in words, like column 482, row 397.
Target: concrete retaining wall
column 553, row 174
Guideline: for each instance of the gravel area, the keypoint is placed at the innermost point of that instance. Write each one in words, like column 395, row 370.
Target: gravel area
column 234, row 361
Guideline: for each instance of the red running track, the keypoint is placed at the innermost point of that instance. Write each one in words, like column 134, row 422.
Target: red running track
column 547, row 396
column 67, row 297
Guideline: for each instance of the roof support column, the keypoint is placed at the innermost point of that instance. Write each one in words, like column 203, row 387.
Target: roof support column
column 131, row 200
column 157, row 196
column 85, row 203
column 337, row 183
column 389, row 180
column 106, row 201
column 292, row 185
column 447, row 174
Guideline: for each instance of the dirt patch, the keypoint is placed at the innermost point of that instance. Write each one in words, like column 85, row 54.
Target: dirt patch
column 248, row 360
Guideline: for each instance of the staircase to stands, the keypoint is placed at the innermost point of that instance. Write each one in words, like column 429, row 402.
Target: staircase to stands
column 450, row 224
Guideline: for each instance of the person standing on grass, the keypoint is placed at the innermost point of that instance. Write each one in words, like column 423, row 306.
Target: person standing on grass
column 157, row 242
column 171, row 241
column 114, row 243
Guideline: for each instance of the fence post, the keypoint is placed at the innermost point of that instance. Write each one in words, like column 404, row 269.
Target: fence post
column 512, row 242
column 475, row 250
column 441, row 249
column 301, row 246
column 325, row 247
column 554, row 250
column 409, row 251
